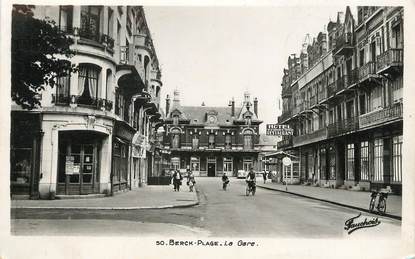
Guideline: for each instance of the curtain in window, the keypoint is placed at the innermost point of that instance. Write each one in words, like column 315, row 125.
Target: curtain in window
column 93, row 82
column 81, row 79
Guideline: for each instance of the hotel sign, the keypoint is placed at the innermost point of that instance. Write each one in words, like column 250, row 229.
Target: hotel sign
column 279, row 130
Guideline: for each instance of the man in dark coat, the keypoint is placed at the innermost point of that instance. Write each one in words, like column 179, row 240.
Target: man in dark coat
column 177, row 180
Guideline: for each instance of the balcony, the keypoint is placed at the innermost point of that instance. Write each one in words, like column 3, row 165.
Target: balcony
column 94, row 103
column 94, row 38
column 390, row 61
column 367, row 71
column 142, row 40
column 352, row 78
column 285, row 143
column 313, row 101
column 382, row 116
column 344, row 44
column 331, row 89
column 312, row 137
column 322, row 95
column 343, row 127
column 341, row 83
column 284, row 116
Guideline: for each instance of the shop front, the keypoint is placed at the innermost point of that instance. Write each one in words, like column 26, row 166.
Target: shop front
column 25, row 142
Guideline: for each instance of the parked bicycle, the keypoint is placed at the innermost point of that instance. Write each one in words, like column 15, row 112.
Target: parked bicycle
column 381, row 206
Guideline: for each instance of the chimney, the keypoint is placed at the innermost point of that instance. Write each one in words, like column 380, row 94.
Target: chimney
column 167, row 105
column 256, row 106
column 233, row 107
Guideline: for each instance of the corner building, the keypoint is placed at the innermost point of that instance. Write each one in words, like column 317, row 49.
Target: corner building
column 212, row 140
column 95, row 131
column 343, row 98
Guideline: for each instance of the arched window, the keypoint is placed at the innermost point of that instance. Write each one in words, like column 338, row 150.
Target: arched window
column 248, row 139
column 175, row 138
column 228, row 141
column 88, row 75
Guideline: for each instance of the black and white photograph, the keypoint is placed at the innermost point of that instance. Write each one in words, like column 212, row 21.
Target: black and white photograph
column 234, row 130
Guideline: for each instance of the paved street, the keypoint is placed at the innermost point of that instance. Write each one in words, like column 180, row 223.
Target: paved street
column 231, row 213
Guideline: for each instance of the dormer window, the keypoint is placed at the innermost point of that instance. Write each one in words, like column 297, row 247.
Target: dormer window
column 176, row 119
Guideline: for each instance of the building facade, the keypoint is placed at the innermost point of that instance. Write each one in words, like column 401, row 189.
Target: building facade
column 345, row 106
column 212, row 140
column 95, row 131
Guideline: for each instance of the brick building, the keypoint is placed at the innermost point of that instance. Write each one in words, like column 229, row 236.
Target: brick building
column 345, row 105
column 212, row 140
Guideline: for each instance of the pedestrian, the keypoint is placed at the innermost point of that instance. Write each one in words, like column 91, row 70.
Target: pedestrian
column 264, row 175
column 225, row 181
column 177, row 180
column 190, row 180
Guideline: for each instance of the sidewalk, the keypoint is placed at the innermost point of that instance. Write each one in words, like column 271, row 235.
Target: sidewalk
column 148, row 197
column 352, row 199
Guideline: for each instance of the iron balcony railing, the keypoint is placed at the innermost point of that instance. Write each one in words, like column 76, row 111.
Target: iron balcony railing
column 391, row 57
column 352, row 77
column 331, row 89
column 343, row 126
column 367, row 70
column 384, row 115
column 312, row 137
column 95, row 103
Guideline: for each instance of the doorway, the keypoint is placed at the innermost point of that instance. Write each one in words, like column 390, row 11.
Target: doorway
column 211, row 169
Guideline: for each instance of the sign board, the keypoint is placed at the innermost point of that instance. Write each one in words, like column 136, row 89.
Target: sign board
column 69, row 164
column 286, row 161
column 279, row 130
column 76, row 169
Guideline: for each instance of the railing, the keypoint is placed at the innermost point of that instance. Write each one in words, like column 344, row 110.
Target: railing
column 381, row 116
column 107, row 40
column 142, row 40
column 285, row 115
column 331, row 89
column 340, row 83
column 352, row 77
column 285, row 143
column 344, row 40
column 314, row 136
column 367, row 69
column 343, row 126
column 96, row 103
column 391, row 57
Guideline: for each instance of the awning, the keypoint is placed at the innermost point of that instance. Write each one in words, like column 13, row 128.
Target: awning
column 279, row 154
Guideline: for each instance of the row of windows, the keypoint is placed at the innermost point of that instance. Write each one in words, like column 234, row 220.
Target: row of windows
column 175, row 141
column 227, row 163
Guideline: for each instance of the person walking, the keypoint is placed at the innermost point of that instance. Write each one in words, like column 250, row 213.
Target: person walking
column 190, row 180
column 264, row 175
column 225, row 181
column 177, row 180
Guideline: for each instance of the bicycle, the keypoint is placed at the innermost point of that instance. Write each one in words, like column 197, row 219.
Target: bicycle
column 381, row 207
column 250, row 188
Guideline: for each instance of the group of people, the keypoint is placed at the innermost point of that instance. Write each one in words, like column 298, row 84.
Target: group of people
column 177, row 179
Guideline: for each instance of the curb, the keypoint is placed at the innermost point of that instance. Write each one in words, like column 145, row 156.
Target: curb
column 333, row 202
column 186, row 205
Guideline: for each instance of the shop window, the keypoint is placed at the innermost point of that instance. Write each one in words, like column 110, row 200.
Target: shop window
column 90, row 22
column 323, row 166
column 350, row 161
column 378, row 160
column 397, row 159
column 88, row 84
column 364, row 161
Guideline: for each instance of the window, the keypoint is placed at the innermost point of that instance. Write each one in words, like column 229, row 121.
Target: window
column 119, row 103
column 62, row 89
column 362, row 101
column 175, row 138
column 175, row 119
column 211, row 140
column 397, row 159
column 248, row 139
column 247, row 164
column 195, row 142
column 332, row 163
column 397, row 89
column 361, row 57
column 364, row 161
column 376, row 98
column 378, row 160
column 175, row 161
column 88, row 84
column 65, row 18
column 90, row 22
column 227, row 165
column 228, row 141
column 323, row 167
column 350, row 162
column 110, row 28
column 195, row 163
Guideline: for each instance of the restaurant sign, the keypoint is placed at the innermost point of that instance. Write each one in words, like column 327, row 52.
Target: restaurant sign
column 279, row 130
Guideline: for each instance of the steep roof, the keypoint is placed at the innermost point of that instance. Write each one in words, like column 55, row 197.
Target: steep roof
column 198, row 113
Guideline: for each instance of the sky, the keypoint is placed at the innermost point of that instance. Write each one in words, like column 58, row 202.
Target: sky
column 211, row 54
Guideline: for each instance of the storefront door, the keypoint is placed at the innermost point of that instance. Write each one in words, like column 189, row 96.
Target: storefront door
column 78, row 172
column 211, row 169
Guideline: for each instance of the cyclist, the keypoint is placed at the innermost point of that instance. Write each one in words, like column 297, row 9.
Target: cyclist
column 251, row 179
column 225, row 181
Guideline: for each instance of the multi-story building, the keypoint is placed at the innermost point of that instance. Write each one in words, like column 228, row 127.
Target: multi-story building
column 95, row 131
column 346, row 108
column 212, row 140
